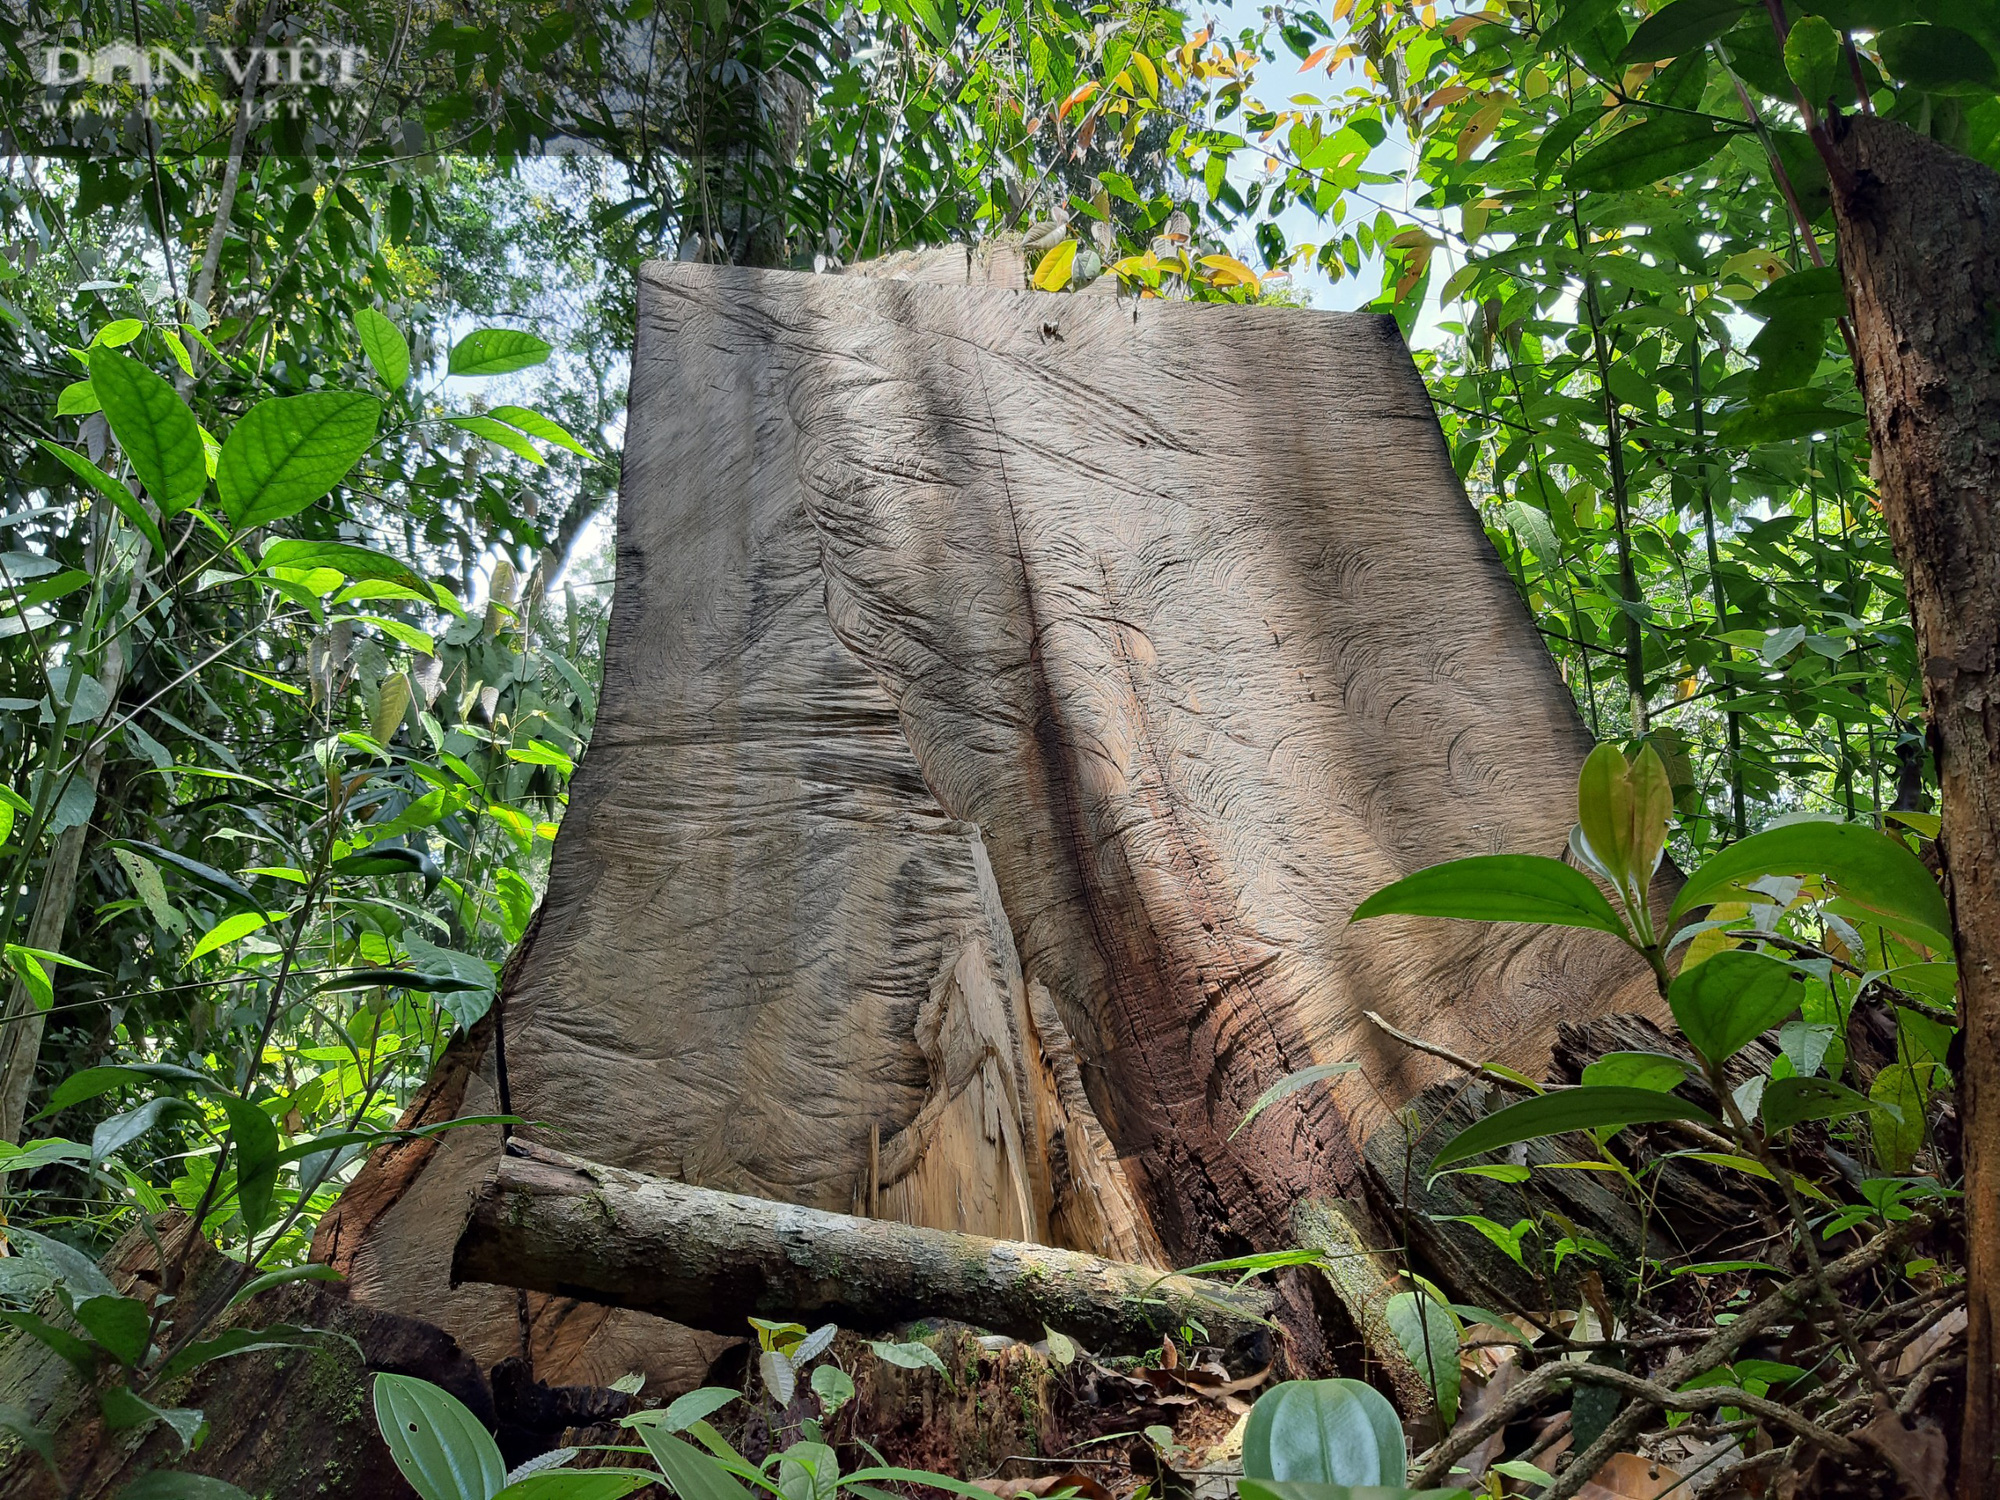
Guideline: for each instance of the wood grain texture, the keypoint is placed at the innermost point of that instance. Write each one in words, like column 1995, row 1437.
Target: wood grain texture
column 1008, row 698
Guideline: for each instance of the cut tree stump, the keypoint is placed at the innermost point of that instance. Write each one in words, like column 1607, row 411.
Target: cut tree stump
column 1008, row 697
column 549, row 1223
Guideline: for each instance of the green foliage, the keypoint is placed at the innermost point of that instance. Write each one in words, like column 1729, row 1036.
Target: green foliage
column 1341, row 1432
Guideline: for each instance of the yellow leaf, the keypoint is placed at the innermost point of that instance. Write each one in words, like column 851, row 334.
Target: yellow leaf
column 1052, row 275
column 1227, row 271
column 1148, row 72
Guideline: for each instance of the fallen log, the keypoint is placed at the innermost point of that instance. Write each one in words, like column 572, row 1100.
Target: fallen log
column 545, row 1222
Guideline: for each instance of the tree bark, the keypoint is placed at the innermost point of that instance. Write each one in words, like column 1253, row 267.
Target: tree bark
column 545, row 1222
column 1920, row 254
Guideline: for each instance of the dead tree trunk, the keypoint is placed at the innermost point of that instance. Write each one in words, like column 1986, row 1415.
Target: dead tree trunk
column 545, row 1222
column 1920, row 254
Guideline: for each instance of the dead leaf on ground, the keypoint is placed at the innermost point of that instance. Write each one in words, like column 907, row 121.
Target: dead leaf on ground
column 1932, row 1339
column 1916, row 1453
column 1481, row 1398
column 1628, row 1476
column 1072, row 1480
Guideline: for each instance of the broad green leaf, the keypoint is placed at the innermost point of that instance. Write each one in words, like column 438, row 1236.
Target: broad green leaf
column 1498, row 888
column 1680, row 28
column 229, row 930
column 540, row 753
column 92, row 1082
column 256, row 1144
column 1738, row 995
column 1939, row 59
column 73, row 1351
column 1583, row 1108
column 536, row 425
column 495, row 351
column 78, row 399
column 1812, row 58
column 910, row 1356
column 118, row 1132
column 234, row 1341
column 1326, row 1431
column 1662, row 146
column 345, row 558
column 684, row 1411
column 1290, row 1084
column 284, row 1276
column 21, row 1427
column 1791, row 1101
column 692, row 1473
column 1638, row 1070
column 123, row 499
column 1622, row 807
column 1869, row 868
column 154, row 428
column 500, row 435
column 288, row 452
column 578, row 1484
column 1429, row 1337
column 1305, row 1489
column 170, row 1484
column 387, row 350
column 1899, row 1129
column 440, row 1447
column 118, row 333
column 1785, row 415
column 119, row 1324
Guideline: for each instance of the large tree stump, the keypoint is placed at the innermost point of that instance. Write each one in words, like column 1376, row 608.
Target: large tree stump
column 1007, row 699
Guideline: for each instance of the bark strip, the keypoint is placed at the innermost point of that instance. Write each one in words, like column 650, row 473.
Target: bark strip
column 553, row 1223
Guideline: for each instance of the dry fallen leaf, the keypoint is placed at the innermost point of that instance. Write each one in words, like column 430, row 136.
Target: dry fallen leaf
column 1628, row 1476
column 1930, row 1341
column 1916, row 1453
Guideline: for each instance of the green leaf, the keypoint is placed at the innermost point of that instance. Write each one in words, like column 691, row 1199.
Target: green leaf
column 1812, row 58
column 118, row 333
column 578, row 1484
column 154, row 428
column 1814, row 294
column 1662, row 146
column 495, row 351
column 114, row 1134
column 1784, row 416
column 120, row 1324
column 1723, row 1004
column 256, row 1141
column 387, row 350
column 1291, row 1083
column 235, row 1341
column 288, row 452
column 72, row 1350
column 1326, row 1431
column 1622, row 807
column 1303, row 1489
column 1429, row 1336
column 284, row 1276
column 1682, row 27
column 228, row 930
column 1869, row 868
column 1938, row 59
column 537, row 425
column 1790, row 1101
column 1498, row 888
column 1583, row 1108
column 692, row 1473
column 1899, row 1129
column 92, row 1082
column 345, row 558
column 540, row 753
column 500, row 435
column 113, row 491
column 910, row 1356
column 440, row 1447
column 78, row 399
column 1637, row 1070
column 126, row 1411
column 170, row 1484
column 37, row 1440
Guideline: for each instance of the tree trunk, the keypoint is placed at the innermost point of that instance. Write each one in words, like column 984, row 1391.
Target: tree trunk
column 546, row 1222
column 1007, row 699
column 1920, row 253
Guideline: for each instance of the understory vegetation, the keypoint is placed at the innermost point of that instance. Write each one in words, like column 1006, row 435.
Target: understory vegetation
column 311, row 433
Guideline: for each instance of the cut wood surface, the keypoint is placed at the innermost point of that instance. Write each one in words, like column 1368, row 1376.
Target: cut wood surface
column 1007, row 699
column 548, row 1223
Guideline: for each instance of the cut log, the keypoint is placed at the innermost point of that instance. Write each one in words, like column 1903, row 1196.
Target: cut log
column 1007, row 699
column 549, row 1223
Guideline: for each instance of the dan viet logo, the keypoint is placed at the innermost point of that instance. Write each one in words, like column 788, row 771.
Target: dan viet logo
column 310, row 63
